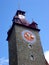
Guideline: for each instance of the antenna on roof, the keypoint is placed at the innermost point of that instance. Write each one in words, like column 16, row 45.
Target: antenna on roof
column 18, row 4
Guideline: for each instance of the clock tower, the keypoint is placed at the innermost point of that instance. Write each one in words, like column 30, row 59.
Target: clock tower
column 24, row 42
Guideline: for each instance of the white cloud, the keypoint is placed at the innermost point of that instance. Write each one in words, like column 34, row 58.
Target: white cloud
column 47, row 55
column 3, row 61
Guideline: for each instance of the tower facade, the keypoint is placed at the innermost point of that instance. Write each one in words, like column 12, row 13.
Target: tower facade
column 24, row 42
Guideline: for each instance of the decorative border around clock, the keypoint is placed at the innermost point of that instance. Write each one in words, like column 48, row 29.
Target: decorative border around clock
column 30, row 42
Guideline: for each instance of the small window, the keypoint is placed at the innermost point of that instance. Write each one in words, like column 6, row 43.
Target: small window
column 30, row 46
column 32, row 57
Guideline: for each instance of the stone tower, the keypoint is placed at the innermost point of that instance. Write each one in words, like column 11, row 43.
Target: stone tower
column 24, row 42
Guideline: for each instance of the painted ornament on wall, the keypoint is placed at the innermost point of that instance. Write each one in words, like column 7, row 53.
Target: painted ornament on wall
column 28, row 36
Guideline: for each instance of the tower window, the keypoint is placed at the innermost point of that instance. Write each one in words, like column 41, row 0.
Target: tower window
column 29, row 46
column 32, row 57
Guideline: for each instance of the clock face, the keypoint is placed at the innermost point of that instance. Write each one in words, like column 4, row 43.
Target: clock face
column 28, row 36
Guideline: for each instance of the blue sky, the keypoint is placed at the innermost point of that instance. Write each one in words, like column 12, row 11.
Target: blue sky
column 37, row 10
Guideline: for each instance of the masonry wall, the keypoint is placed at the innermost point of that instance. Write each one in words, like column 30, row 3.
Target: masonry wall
column 24, row 52
column 12, row 48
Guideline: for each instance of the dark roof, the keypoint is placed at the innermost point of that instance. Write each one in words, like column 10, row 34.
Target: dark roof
column 34, row 25
column 21, row 22
column 20, row 12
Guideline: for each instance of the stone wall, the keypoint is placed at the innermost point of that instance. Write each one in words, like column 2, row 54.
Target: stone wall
column 24, row 52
